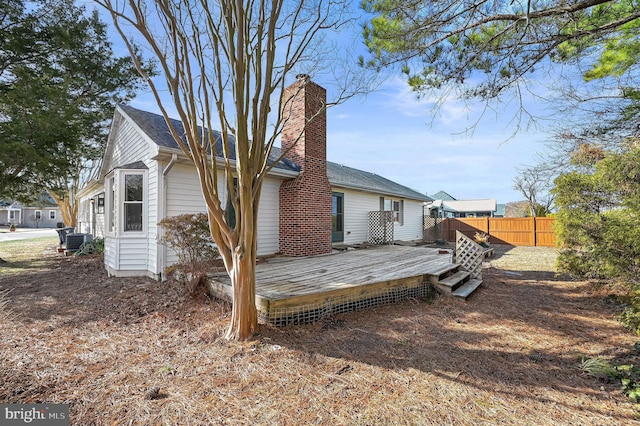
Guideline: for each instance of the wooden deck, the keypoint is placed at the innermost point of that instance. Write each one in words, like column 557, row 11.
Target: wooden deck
column 294, row 290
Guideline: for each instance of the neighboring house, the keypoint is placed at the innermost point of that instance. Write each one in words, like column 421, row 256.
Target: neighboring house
column 444, row 205
column 306, row 202
column 45, row 215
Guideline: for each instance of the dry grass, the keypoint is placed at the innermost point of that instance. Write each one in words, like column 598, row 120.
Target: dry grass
column 24, row 256
column 539, row 259
column 133, row 351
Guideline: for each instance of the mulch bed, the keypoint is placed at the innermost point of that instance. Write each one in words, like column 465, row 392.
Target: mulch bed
column 135, row 351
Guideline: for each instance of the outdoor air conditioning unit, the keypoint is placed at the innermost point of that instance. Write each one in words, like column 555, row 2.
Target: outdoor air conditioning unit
column 74, row 241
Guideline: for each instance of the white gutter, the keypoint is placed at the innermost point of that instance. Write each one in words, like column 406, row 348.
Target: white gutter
column 174, row 160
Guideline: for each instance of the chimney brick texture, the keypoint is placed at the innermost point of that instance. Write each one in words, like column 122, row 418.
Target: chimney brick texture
column 305, row 201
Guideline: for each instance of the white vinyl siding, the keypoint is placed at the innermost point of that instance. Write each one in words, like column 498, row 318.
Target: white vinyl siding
column 90, row 214
column 411, row 228
column 132, row 254
column 269, row 218
column 357, row 206
column 110, row 253
column 129, row 147
column 183, row 195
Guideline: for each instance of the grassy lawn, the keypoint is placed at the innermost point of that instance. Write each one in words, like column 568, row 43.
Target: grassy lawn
column 135, row 351
column 23, row 256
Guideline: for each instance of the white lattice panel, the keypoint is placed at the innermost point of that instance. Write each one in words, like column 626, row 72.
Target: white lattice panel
column 469, row 255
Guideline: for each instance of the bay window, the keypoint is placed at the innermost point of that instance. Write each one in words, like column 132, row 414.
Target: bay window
column 125, row 195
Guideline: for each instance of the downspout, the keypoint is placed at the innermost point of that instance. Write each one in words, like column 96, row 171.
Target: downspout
column 163, row 204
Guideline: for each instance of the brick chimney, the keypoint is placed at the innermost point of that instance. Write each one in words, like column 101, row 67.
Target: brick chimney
column 305, row 202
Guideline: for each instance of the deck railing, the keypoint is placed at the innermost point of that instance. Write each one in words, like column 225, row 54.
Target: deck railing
column 469, row 255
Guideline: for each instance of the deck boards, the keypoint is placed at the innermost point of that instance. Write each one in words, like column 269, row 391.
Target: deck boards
column 290, row 282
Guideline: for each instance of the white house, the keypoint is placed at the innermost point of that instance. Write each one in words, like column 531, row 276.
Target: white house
column 307, row 204
column 444, row 205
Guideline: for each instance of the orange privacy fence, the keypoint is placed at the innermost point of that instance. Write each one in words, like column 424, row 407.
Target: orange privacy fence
column 520, row 231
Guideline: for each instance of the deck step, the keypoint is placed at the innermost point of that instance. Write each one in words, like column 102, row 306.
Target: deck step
column 453, row 282
column 466, row 289
column 451, row 267
column 443, row 272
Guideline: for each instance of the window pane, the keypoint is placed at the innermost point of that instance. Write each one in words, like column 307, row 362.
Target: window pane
column 387, row 205
column 133, row 217
column 112, row 201
column 133, row 187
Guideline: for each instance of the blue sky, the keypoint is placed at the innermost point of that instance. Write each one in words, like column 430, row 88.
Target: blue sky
column 394, row 134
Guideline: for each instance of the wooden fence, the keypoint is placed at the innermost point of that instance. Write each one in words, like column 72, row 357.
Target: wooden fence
column 522, row 231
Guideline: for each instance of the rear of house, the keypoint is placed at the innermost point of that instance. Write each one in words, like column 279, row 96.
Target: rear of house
column 306, row 202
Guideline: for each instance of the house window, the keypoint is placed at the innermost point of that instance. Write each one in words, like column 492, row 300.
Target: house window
column 111, row 190
column 100, row 204
column 38, row 214
column 52, row 214
column 398, row 211
column 132, row 202
column 230, row 210
column 12, row 215
column 395, row 206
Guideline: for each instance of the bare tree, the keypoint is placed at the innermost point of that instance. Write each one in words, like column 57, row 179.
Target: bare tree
column 535, row 184
column 225, row 63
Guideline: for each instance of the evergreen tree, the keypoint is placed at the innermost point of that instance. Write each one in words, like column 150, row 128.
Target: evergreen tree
column 59, row 84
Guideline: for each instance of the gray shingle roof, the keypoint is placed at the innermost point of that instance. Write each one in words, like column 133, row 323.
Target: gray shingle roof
column 348, row 177
column 441, row 195
column 156, row 128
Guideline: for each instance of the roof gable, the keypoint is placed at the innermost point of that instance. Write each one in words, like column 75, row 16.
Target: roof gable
column 156, row 129
column 441, row 195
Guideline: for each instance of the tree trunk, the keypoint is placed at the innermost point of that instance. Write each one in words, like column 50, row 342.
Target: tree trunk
column 244, row 315
column 68, row 208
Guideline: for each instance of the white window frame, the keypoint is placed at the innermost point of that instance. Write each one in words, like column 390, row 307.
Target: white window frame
column 125, row 202
column 52, row 215
column 37, row 214
column 12, row 215
column 396, row 206
column 114, row 208
column 110, row 203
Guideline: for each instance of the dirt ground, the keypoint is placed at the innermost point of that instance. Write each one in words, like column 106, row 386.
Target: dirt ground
column 135, row 351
